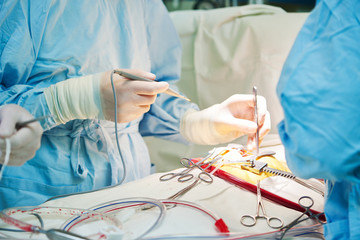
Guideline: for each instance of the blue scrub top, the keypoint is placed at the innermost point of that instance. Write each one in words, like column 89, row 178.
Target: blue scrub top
column 319, row 90
column 48, row 41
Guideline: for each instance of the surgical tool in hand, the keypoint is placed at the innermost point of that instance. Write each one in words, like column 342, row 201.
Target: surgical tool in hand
column 23, row 124
column 251, row 220
column 169, row 91
column 256, row 119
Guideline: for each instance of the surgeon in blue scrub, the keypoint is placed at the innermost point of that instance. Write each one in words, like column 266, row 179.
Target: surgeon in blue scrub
column 58, row 58
column 319, row 92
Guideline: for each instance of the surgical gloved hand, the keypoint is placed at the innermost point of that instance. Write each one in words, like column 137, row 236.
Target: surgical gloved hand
column 227, row 121
column 25, row 141
column 91, row 97
column 134, row 98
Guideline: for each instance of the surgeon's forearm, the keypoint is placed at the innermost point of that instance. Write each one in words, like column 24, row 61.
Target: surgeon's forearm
column 29, row 97
column 76, row 98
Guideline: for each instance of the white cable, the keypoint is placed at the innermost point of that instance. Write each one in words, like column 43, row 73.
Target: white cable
column 7, row 156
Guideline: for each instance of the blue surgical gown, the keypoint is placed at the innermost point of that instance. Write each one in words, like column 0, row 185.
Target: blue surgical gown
column 48, row 41
column 319, row 90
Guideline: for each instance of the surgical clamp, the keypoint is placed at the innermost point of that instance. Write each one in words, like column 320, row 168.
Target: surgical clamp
column 185, row 175
column 251, row 220
column 199, row 177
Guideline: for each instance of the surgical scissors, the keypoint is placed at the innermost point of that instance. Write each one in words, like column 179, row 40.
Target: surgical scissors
column 251, row 220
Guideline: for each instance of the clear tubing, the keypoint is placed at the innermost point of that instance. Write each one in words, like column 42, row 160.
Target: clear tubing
column 112, row 206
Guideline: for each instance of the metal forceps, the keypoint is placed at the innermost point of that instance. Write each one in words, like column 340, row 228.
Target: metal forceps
column 185, row 175
column 256, row 119
column 305, row 202
column 251, row 220
column 202, row 176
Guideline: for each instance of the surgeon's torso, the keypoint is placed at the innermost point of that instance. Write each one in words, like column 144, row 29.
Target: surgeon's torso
column 86, row 37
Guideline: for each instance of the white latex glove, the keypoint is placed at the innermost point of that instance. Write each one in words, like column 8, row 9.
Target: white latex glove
column 91, row 97
column 134, row 98
column 25, row 141
column 227, row 121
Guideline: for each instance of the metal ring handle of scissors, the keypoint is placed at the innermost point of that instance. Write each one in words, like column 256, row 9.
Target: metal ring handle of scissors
column 186, row 177
column 171, row 175
column 203, row 175
column 307, row 203
column 251, row 220
column 186, row 162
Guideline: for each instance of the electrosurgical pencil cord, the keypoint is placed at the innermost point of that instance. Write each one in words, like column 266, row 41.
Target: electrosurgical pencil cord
column 116, row 130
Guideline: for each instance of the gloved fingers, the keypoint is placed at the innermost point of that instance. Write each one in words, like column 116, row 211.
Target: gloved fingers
column 147, row 88
column 262, row 109
column 127, row 114
column 242, row 106
column 28, row 135
column 235, row 125
column 264, row 129
column 143, row 100
column 134, row 97
column 7, row 127
column 9, row 116
column 25, row 141
column 140, row 73
column 19, row 156
column 251, row 143
column 138, row 93
column 24, row 144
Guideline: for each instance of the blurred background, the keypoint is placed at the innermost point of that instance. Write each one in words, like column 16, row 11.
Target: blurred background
column 287, row 5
